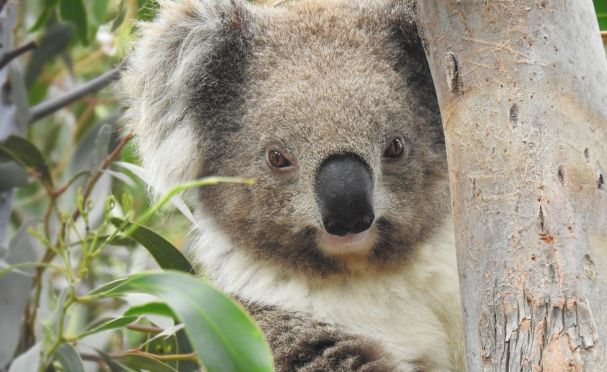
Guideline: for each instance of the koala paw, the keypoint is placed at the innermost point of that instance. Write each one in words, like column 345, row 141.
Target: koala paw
column 349, row 354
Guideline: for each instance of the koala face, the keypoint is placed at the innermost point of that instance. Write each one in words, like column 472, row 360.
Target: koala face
column 330, row 108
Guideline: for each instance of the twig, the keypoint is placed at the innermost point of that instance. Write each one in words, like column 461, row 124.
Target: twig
column 50, row 106
column 12, row 54
column 88, row 188
column 49, row 255
column 604, row 34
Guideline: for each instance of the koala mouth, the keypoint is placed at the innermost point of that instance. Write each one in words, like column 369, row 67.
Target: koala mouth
column 349, row 244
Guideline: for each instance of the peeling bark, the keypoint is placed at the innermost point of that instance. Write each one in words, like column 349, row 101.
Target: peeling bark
column 522, row 88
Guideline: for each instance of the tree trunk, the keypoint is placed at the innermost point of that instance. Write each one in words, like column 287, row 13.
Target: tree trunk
column 522, row 87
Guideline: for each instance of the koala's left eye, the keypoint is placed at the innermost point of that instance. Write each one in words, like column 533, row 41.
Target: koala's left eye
column 277, row 159
column 395, row 148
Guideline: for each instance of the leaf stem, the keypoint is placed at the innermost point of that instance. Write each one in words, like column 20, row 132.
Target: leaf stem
column 181, row 188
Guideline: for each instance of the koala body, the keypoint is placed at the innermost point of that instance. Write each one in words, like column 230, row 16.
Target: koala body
column 343, row 249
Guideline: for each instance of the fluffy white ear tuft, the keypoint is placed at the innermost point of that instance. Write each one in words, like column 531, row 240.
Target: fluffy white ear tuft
column 165, row 85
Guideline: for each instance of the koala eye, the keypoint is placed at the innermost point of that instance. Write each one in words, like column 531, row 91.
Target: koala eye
column 277, row 159
column 395, row 148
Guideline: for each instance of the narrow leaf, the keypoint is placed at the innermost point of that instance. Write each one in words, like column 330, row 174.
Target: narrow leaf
column 166, row 255
column 27, row 155
column 74, row 12
column 28, row 361
column 107, row 324
column 44, row 15
column 220, row 331
column 111, row 364
column 154, row 308
column 69, row 358
column 120, row 17
column 100, row 10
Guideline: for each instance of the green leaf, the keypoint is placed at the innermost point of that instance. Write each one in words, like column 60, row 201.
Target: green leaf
column 100, row 10
column 112, row 365
column 166, row 255
column 120, row 16
column 107, row 324
column 154, row 308
column 69, row 358
column 74, row 12
column 55, row 41
column 27, row 155
column 220, row 331
column 142, row 362
column 44, row 15
column 600, row 6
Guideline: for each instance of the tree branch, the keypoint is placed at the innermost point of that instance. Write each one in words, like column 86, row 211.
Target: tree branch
column 12, row 54
column 50, row 106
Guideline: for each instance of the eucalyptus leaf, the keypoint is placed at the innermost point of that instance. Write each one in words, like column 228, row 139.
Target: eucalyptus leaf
column 120, row 16
column 69, row 359
column 100, row 10
column 154, row 308
column 176, row 200
column 107, row 324
column 166, row 255
column 74, row 12
column 44, row 16
column 27, row 155
column 50, row 326
column 111, row 363
column 28, row 361
column 54, row 41
column 19, row 95
column 220, row 331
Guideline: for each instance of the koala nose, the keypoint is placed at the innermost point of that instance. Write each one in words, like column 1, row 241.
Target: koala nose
column 344, row 189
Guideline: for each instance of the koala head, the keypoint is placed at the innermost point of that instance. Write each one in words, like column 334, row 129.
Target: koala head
column 329, row 105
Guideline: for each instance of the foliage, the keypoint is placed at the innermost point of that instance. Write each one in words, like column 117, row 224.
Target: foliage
column 80, row 217
column 74, row 214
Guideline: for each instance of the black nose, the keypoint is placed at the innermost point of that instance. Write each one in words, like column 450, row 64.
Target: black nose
column 344, row 189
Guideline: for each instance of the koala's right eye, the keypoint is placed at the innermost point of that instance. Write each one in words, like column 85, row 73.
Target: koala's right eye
column 277, row 159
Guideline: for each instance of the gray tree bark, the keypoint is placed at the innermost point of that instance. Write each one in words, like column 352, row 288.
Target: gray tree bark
column 522, row 87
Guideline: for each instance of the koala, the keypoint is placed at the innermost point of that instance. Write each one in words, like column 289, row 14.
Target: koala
column 343, row 249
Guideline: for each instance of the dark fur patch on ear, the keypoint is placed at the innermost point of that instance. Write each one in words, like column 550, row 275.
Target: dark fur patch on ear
column 219, row 89
column 412, row 62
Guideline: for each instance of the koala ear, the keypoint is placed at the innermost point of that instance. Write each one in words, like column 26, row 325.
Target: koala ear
column 185, row 70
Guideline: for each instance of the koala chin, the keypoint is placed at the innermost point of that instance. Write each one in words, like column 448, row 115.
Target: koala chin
column 343, row 249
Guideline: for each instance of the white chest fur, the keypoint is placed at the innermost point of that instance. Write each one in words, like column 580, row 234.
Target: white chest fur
column 413, row 312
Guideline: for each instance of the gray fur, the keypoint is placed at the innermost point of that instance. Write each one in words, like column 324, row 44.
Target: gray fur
column 211, row 85
column 302, row 344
